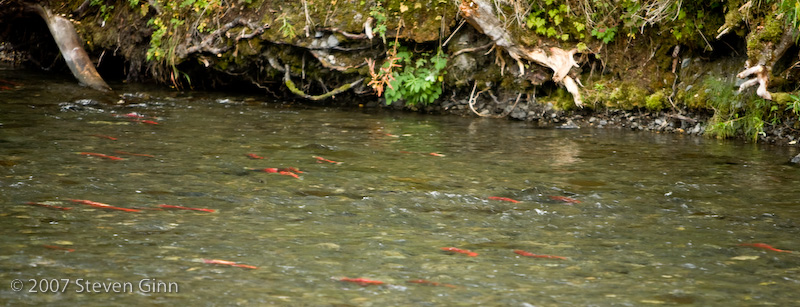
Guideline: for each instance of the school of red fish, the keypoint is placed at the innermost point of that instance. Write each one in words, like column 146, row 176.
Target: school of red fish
column 294, row 172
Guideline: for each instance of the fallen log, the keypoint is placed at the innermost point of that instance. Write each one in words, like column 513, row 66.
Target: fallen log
column 71, row 49
column 480, row 14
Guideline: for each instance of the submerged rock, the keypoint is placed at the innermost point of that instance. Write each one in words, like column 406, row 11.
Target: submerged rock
column 795, row 160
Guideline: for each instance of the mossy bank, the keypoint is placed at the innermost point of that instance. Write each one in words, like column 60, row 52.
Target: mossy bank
column 661, row 65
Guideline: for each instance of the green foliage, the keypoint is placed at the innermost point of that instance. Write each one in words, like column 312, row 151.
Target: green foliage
column 548, row 19
column 105, row 10
column 155, row 52
column 421, row 78
column 378, row 12
column 794, row 104
column 287, row 29
column 791, row 11
column 605, row 34
column 738, row 114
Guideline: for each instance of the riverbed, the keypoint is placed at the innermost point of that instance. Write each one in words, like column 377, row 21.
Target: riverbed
column 170, row 197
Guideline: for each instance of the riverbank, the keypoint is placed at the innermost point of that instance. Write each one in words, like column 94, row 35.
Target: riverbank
column 719, row 69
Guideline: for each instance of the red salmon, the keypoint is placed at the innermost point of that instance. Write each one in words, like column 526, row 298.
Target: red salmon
column 254, row 156
column 230, row 263
column 69, row 250
column 321, row 160
column 503, row 199
column 565, row 199
column 461, row 251
column 102, row 205
column 527, row 254
column 101, row 156
column 105, row 137
column 765, row 246
column 362, row 281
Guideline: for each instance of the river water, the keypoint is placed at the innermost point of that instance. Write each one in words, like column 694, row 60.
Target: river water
column 629, row 219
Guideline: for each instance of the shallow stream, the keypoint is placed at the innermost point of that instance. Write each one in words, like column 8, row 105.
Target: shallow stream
column 628, row 218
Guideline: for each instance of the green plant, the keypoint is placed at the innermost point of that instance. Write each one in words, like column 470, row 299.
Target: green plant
column 605, row 34
column 287, row 29
column 105, row 10
column 794, row 104
column 378, row 12
column 738, row 114
column 548, row 19
column 420, row 81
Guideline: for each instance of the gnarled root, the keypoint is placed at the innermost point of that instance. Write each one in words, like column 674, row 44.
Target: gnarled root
column 761, row 78
column 479, row 13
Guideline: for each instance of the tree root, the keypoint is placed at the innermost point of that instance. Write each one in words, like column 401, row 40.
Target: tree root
column 287, row 80
column 207, row 44
column 473, row 98
column 71, row 49
column 480, row 14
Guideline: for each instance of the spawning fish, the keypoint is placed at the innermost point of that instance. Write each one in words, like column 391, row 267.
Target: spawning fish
column 230, row 263
column 103, row 136
column 362, row 281
column 527, row 254
column 69, row 250
column 145, row 121
column 503, row 199
column 101, row 205
column 565, row 199
column 132, row 115
column 321, row 159
column 282, row 171
column 461, row 251
column 133, row 154
column 254, row 156
column 48, row 206
column 101, row 156
column 185, row 208
column 765, row 246
column 436, row 154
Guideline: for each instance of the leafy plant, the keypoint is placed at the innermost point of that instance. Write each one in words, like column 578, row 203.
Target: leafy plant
column 420, row 81
column 105, row 10
column 378, row 12
column 545, row 21
column 794, row 105
column 605, row 34
column 287, row 29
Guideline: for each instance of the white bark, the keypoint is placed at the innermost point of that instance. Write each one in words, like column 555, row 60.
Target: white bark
column 71, row 49
column 480, row 14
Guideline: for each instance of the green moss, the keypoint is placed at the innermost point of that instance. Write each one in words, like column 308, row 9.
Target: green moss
column 656, row 101
column 626, row 96
column 562, row 100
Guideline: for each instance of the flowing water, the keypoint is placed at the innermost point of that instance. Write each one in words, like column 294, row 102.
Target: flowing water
column 639, row 218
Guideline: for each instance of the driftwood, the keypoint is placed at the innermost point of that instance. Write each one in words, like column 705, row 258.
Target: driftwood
column 71, row 49
column 480, row 14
